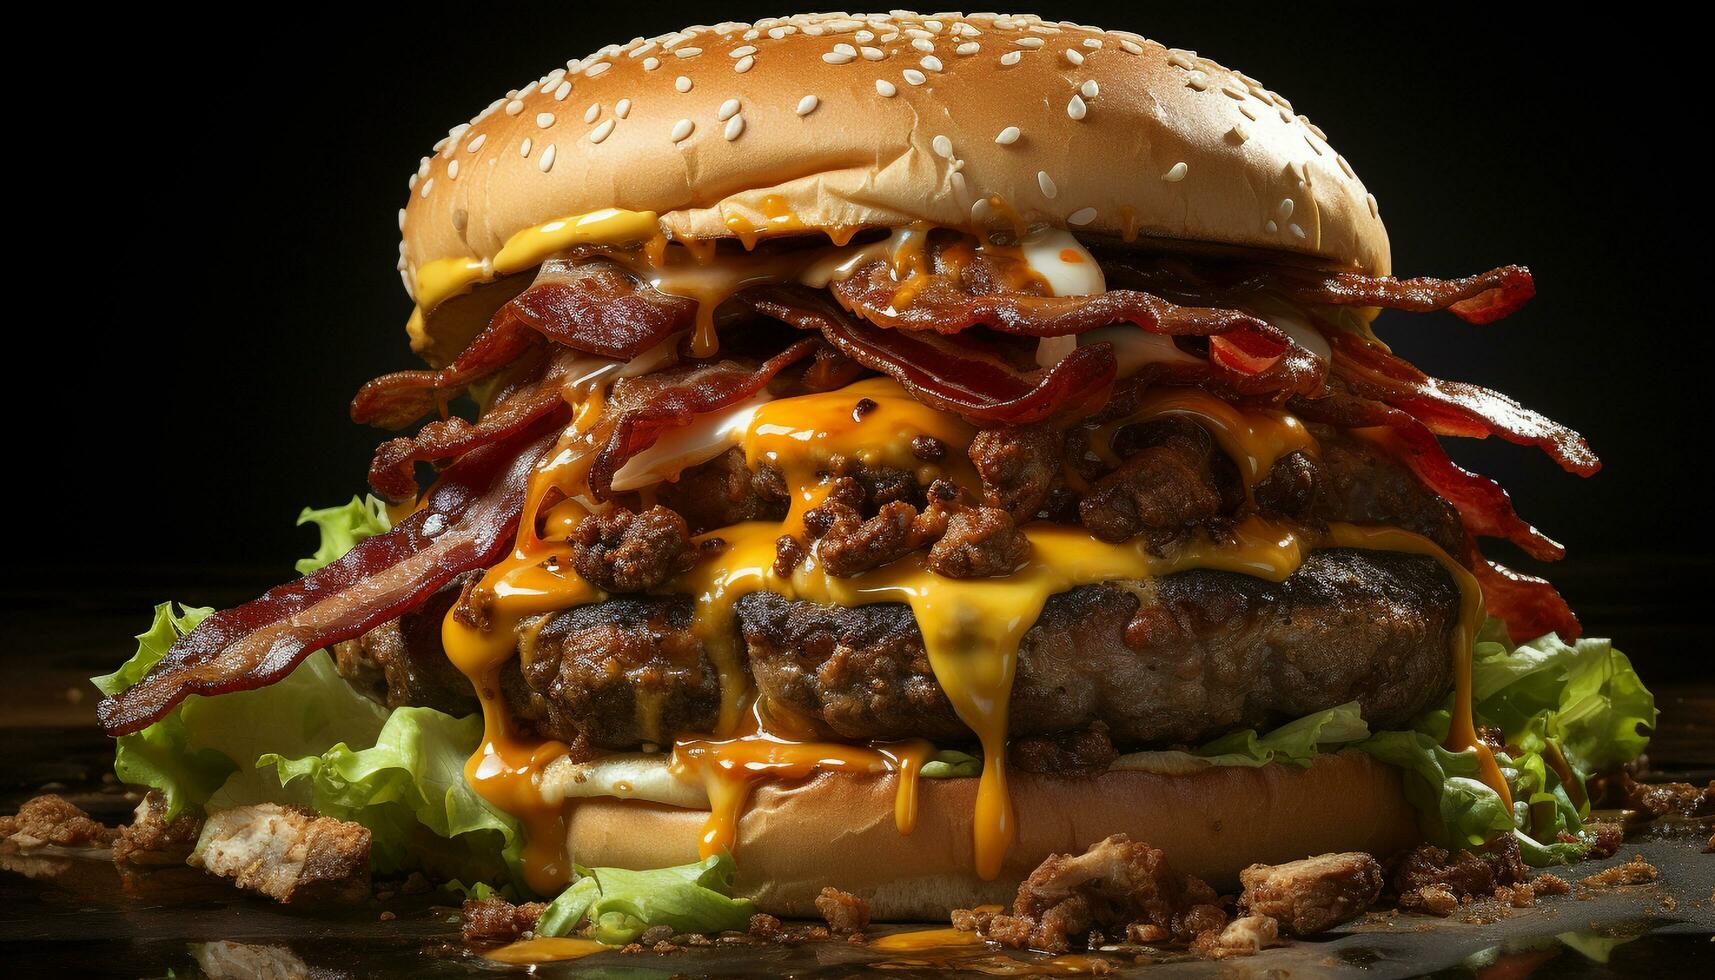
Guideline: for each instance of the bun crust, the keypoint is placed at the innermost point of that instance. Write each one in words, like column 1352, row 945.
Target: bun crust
column 836, row 829
column 830, row 121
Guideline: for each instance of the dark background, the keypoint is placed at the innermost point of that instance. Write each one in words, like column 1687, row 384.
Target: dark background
column 219, row 269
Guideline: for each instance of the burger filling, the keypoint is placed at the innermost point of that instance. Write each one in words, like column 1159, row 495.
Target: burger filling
column 921, row 502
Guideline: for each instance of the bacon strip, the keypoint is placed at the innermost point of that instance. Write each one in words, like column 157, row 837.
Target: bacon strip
column 1483, row 298
column 1257, row 357
column 392, row 470
column 1484, row 507
column 1530, row 606
column 467, row 521
column 586, row 304
column 643, row 407
column 1454, row 408
column 952, row 372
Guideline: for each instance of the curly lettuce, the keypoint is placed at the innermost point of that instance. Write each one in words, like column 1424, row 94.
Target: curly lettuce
column 342, row 528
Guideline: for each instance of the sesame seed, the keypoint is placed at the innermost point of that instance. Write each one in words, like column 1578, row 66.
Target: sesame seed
column 1197, row 80
column 1285, row 208
column 524, row 147
column 546, row 119
column 981, row 210
column 846, row 50
column 1047, row 184
column 590, row 72
column 744, row 64
column 1297, row 231
column 682, row 83
column 923, row 44
column 864, row 37
column 601, row 132
column 1270, row 226
column 1247, row 112
column 1082, row 216
column 728, row 109
column 887, row 89
column 968, row 48
column 546, row 163
column 687, row 52
column 807, row 105
column 734, row 128
column 958, row 181
column 1090, row 89
column 650, row 64
column 1175, row 173
column 1011, row 57
column 1375, row 210
column 476, row 144
column 1029, row 42
column 401, row 224
column 1076, row 108
column 453, row 170
column 1093, row 43
column 1008, row 136
column 564, row 90
column 914, row 76
column 835, row 58
column 1181, row 59
column 1345, row 167
column 1130, row 47
column 872, row 54
column 931, row 62
column 743, row 52
column 622, row 108
column 514, row 107
column 1074, row 56
column 943, row 147
column 591, row 114
column 1239, row 133
column 682, row 129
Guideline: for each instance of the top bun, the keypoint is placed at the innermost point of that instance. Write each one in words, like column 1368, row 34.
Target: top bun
column 834, row 120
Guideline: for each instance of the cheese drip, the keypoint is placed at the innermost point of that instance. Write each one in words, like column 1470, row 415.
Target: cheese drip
column 971, row 628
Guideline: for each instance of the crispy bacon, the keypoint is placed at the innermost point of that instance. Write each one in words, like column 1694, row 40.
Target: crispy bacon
column 1530, row 606
column 952, row 372
column 586, row 304
column 642, row 407
column 1484, row 507
column 1256, row 357
column 1482, row 298
column 1454, row 408
column 467, row 521
column 392, row 469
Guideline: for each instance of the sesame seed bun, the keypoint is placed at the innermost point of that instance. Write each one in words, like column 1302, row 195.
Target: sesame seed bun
column 837, row 829
column 821, row 121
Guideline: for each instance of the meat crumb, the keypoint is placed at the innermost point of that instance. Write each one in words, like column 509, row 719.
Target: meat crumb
column 1246, row 936
column 1430, row 879
column 495, row 920
column 844, row 912
column 622, row 551
column 1117, row 885
column 1315, row 893
column 151, row 839
column 1085, row 752
column 979, row 543
column 56, row 821
column 286, row 853
column 764, row 926
column 1637, row 871
column 1547, row 884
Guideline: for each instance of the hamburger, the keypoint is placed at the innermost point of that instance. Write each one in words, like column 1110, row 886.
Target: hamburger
column 882, row 452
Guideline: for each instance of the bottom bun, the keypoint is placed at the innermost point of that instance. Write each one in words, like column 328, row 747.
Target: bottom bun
column 837, row 829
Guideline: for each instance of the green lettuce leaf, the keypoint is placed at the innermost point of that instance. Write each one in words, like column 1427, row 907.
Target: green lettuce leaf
column 162, row 755
column 343, row 527
column 1584, row 697
column 619, row 905
column 1295, row 742
column 1455, row 807
column 952, row 764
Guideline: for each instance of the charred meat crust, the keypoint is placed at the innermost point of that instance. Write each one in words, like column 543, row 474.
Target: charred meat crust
column 1180, row 660
column 616, row 674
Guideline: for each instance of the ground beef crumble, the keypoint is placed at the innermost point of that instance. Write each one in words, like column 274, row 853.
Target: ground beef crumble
column 844, row 912
column 495, row 920
column 622, row 551
column 1315, row 893
column 54, row 820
